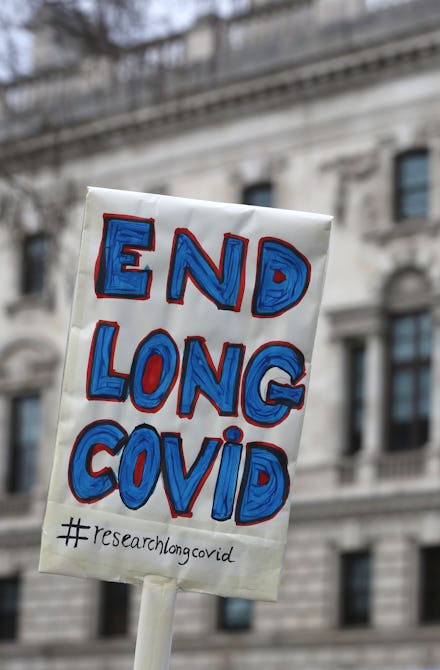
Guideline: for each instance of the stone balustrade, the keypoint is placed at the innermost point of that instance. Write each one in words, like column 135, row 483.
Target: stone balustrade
column 215, row 51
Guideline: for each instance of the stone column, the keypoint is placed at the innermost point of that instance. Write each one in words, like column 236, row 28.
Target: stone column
column 4, row 446
column 201, row 40
column 434, row 194
column 433, row 455
column 374, row 402
column 365, row 324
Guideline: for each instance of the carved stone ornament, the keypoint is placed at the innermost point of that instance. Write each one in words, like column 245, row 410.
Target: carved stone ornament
column 25, row 359
column 257, row 169
column 350, row 169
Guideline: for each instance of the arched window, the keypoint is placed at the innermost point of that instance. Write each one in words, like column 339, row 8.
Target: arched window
column 409, row 362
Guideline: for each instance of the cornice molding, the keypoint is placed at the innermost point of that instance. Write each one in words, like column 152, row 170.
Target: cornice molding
column 20, row 539
column 333, row 509
column 356, row 321
column 295, row 640
column 323, row 78
column 300, row 639
column 365, row 505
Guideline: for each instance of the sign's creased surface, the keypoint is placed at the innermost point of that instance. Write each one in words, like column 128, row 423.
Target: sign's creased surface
column 187, row 368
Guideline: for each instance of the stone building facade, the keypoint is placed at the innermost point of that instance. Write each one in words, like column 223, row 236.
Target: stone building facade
column 321, row 105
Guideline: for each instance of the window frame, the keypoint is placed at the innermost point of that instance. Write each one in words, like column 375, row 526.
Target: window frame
column 355, row 400
column 9, row 632
column 415, row 366
column 346, row 593
column 17, row 449
column 29, row 285
column 224, row 623
column 249, row 194
column 400, row 190
column 426, row 586
column 108, row 613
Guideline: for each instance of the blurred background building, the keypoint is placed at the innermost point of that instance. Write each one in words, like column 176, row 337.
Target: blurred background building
column 321, row 105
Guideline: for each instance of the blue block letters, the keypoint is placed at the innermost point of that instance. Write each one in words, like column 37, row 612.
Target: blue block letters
column 122, row 238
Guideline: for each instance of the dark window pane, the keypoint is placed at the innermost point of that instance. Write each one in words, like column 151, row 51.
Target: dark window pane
column 403, row 338
column 114, row 609
column 402, row 395
column 410, row 380
column 430, row 585
column 356, row 395
column 355, row 588
column 259, row 195
column 234, row 614
column 413, row 167
column 425, row 339
column 34, row 262
column 424, row 392
column 400, row 439
column 24, row 439
column 412, row 185
column 9, row 588
column 423, row 430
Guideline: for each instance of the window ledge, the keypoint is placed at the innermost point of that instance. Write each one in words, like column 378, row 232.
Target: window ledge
column 386, row 465
column 401, row 464
column 405, row 228
column 348, row 467
column 15, row 503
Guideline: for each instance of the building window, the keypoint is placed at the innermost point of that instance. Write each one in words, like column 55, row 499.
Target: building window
column 25, row 426
column 356, row 395
column 412, row 185
column 355, row 583
column 430, row 585
column 113, row 609
column 410, row 342
column 260, row 195
column 234, row 614
column 9, row 592
column 35, row 253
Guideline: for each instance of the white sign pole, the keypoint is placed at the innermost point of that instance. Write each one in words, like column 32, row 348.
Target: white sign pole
column 155, row 626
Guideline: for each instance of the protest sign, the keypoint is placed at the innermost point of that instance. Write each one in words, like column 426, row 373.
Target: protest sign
column 183, row 395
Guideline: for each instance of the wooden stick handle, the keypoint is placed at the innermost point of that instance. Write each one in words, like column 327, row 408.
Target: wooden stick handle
column 155, row 627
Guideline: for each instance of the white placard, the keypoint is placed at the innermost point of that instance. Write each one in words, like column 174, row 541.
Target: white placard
column 183, row 396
